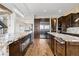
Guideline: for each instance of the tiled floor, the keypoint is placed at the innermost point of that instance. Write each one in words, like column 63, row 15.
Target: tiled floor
column 39, row 48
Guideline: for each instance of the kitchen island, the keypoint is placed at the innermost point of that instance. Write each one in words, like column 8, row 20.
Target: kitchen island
column 63, row 44
column 14, row 42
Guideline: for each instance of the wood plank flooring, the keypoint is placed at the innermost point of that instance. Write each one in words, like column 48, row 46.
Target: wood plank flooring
column 39, row 48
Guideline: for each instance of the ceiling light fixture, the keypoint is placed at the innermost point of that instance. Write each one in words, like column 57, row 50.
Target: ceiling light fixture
column 59, row 11
column 19, row 13
column 77, row 20
column 45, row 10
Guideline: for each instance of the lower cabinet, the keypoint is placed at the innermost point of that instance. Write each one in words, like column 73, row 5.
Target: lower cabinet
column 14, row 49
column 50, row 41
column 63, row 49
column 52, row 44
column 60, row 49
column 54, row 51
column 72, row 48
column 19, row 47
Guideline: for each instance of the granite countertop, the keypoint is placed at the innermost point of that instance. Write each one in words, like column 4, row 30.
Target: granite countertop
column 17, row 36
column 65, row 37
column 6, row 39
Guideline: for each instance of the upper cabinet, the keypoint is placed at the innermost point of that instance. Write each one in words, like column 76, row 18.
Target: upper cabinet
column 53, row 24
column 70, row 20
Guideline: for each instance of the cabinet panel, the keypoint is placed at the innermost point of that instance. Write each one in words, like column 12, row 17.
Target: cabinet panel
column 53, row 24
column 52, row 44
column 55, row 47
column 65, row 22
column 15, row 48
column 60, row 49
column 72, row 49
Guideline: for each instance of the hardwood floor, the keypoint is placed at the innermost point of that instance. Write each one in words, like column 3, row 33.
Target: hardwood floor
column 39, row 48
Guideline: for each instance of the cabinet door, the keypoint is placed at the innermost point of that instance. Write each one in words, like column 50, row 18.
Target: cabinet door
column 14, row 49
column 72, row 48
column 52, row 44
column 60, row 49
column 54, row 47
column 50, row 41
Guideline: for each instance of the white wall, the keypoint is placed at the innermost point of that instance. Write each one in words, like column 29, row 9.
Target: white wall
column 23, row 23
column 11, row 22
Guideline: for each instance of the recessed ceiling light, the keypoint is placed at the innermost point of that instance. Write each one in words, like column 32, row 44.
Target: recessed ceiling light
column 45, row 10
column 59, row 11
column 19, row 13
column 77, row 20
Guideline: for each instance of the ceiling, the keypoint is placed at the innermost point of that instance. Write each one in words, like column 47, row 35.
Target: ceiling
column 4, row 10
column 40, row 9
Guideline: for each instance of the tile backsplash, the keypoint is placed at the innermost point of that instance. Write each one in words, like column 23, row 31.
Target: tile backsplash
column 74, row 30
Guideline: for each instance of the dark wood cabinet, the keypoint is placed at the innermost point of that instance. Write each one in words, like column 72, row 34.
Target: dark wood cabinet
column 53, row 24
column 14, row 49
column 17, row 48
column 63, row 49
column 57, row 48
column 62, row 24
column 72, row 48
column 65, row 22
column 54, row 51
column 50, row 42
column 60, row 49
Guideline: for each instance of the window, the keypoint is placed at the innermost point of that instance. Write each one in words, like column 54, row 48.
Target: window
column 42, row 27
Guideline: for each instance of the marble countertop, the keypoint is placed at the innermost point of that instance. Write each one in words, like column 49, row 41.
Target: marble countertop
column 65, row 37
column 13, row 37
column 6, row 39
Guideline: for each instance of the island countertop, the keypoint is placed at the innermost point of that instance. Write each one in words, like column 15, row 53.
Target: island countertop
column 6, row 39
column 65, row 37
column 13, row 37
